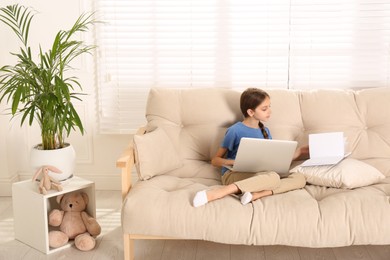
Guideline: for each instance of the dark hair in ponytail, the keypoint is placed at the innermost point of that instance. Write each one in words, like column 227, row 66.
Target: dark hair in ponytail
column 262, row 128
column 250, row 99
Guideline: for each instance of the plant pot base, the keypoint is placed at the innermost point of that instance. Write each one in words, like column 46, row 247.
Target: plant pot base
column 63, row 159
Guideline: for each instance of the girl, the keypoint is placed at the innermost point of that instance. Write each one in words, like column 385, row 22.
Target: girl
column 255, row 105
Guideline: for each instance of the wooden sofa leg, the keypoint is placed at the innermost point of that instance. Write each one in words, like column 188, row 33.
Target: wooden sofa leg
column 128, row 247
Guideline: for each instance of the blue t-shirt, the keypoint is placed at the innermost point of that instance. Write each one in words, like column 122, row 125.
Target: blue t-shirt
column 233, row 136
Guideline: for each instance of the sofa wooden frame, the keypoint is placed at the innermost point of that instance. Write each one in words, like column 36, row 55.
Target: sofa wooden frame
column 126, row 163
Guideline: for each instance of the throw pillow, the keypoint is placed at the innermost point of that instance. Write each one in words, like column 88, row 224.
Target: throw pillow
column 348, row 174
column 155, row 154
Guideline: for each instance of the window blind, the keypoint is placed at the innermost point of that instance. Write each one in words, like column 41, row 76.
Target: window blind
column 339, row 44
column 234, row 44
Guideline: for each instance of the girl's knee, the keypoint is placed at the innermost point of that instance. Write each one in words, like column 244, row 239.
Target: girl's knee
column 274, row 175
column 274, row 178
column 299, row 178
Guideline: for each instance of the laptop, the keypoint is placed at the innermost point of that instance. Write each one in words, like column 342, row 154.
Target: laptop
column 326, row 149
column 257, row 155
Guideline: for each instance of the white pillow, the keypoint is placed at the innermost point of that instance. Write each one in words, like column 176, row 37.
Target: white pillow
column 348, row 174
column 155, row 154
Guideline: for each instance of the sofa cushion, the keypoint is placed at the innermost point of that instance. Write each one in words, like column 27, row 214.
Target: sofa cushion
column 286, row 119
column 323, row 217
column 362, row 115
column 314, row 216
column 162, row 206
column 155, row 154
column 196, row 119
column 348, row 174
column 372, row 144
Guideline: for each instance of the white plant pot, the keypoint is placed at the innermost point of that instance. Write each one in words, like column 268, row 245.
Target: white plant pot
column 63, row 159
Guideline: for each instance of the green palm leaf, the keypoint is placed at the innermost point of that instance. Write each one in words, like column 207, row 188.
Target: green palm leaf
column 38, row 90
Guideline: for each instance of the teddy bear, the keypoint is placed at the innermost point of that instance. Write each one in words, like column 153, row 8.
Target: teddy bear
column 73, row 222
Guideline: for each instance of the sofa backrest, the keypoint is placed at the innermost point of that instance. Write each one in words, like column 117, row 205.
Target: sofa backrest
column 196, row 119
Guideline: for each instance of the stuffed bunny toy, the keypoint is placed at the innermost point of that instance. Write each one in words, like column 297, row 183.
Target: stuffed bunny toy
column 47, row 183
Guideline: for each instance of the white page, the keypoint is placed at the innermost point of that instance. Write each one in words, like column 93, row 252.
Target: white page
column 326, row 144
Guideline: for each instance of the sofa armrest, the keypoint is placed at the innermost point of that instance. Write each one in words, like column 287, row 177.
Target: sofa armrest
column 126, row 162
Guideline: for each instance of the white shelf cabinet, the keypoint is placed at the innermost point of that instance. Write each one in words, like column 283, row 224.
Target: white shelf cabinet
column 31, row 210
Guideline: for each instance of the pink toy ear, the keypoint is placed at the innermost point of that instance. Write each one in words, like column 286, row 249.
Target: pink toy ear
column 53, row 169
column 37, row 173
column 59, row 198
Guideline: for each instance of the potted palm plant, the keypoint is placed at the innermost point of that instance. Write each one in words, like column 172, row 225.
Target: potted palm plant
column 39, row 88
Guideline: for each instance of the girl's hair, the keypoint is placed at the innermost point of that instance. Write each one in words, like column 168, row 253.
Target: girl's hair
column 250, row 99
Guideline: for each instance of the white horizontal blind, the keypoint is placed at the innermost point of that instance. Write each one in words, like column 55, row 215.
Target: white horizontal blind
column 339, row 44
column 234, row 44
column 257, row 37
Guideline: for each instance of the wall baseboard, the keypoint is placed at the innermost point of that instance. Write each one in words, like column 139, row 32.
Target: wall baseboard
column 107, row 181
column 102, row 182
column 6, row 185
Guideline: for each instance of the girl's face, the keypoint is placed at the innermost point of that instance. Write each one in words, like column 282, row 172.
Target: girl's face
column 262, row 112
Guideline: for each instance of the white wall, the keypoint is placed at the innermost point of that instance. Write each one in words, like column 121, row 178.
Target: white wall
column 96, row 153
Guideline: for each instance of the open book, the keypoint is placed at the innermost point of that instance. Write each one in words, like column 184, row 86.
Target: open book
column 326, row 149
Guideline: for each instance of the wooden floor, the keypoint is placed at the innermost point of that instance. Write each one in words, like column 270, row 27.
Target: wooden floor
column 110, row 243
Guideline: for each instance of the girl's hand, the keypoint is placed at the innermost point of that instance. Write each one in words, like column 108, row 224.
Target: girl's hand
column 218, row 160
column 229, row 162
column 302, row 153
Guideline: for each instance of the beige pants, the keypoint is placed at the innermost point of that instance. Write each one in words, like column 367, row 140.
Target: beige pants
column 253, row 182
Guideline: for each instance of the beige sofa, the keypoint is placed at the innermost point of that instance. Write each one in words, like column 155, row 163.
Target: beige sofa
column 185, row 127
